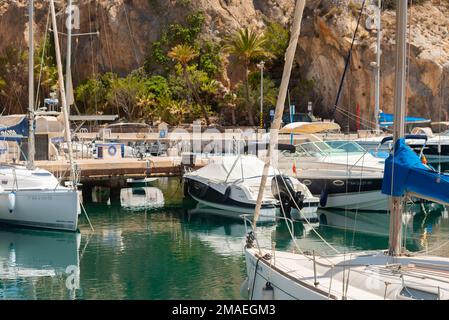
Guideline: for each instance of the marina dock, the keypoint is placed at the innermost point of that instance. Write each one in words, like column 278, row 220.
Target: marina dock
column 111, row 169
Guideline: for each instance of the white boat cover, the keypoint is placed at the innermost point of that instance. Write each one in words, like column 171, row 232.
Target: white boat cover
column 233, row 168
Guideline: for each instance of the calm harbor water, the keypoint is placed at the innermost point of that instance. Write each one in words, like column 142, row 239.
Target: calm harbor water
column 177, row 252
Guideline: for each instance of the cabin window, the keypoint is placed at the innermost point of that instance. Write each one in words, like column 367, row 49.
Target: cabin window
column 41, row 174
column 418, row 294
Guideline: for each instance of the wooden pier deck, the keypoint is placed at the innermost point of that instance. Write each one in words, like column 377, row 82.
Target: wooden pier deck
column 104, row 169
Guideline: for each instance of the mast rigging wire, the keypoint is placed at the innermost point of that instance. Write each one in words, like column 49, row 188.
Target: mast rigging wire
column 348, row 60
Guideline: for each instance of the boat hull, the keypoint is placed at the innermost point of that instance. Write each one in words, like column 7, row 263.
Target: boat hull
column 50, row 209
column 208, row 196
column 349, row 194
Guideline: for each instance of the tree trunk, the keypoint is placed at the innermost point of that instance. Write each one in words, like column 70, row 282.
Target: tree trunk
column 247, row 104
column 196, row 95
column 234, row 122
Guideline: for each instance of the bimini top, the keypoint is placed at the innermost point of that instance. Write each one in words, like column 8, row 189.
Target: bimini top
column 310, row 127
column 411, row 176
column 233, row 168
column 387, row 120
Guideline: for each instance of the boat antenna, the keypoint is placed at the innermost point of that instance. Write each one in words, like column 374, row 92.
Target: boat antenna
column 396, row 203
column 348, row 60
column 31, row 147
column 68, row 137
column 275, row 126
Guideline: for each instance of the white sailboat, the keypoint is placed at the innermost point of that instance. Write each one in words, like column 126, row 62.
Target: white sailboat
column 30, row 196
column 389, row 274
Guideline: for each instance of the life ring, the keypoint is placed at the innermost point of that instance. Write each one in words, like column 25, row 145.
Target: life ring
column 112, row 150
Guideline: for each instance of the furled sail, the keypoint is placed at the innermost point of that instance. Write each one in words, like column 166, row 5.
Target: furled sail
column 405, row 173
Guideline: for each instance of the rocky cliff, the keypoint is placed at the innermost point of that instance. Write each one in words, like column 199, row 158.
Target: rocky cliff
column 127, row 28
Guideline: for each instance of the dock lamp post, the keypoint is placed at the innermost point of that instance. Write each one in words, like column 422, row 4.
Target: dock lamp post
column 261, row 66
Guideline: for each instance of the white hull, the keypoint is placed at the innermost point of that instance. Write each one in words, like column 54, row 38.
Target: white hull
column 372, row 276
column 363, row 201
column 50, row 209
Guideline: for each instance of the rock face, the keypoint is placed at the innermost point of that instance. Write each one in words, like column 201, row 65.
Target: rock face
column 127, row 28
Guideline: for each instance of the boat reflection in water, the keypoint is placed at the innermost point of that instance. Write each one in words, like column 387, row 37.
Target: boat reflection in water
column 419, row 222
column 101, row 194
column 226, row 231
column 140, row 198
column 362, row 221
column 225, row 237
column 34, row 254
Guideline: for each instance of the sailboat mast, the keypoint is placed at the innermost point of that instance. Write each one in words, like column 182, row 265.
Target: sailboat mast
column 31, row 147
column 377, row 71
column 68, row 67
column 396, row 204
column 275, row 126
column 68, row 137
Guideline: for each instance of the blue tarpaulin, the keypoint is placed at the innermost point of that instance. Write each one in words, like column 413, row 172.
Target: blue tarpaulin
column 405, row 173
column 13, row 127
column 386, row 120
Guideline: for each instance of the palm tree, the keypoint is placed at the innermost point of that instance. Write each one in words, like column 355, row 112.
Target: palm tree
column 184, row 53
column 247, row 45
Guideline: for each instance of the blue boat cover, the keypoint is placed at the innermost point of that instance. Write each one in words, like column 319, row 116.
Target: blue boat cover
column 13, row 127
column 411, row 175
column 386, row 120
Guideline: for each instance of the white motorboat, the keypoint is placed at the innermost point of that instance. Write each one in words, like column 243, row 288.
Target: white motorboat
column 232, row 184
column 341, row 173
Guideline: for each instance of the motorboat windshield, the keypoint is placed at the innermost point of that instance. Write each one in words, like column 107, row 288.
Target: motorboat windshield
column 329, row 148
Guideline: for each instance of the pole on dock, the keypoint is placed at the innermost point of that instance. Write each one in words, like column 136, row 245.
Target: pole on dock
column 261, row 66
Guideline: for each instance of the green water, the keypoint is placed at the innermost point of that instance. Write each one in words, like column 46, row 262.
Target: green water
column 175, row 252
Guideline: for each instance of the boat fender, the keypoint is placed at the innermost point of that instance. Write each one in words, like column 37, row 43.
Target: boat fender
column 226, row 194
column 185, row 189
column 204, row 190
column 244, row 289
column 11, row 201
column 323, row 197
column 268, row 292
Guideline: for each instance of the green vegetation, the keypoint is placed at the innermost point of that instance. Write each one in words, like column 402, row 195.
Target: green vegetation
column 179, row 81
column 14, row 75
column 247, row 46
